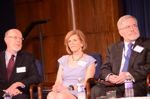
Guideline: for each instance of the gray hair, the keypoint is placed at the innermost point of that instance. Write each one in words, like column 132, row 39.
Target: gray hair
column 123, row 18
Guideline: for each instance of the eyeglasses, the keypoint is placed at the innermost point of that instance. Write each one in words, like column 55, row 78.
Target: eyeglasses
column 15, row 37
column 129, row 27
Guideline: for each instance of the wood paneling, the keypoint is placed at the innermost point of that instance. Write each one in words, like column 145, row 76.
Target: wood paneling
column 96, row 18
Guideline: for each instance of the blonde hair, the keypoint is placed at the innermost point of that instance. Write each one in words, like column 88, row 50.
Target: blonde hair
column 81, row 37
column 123, row 18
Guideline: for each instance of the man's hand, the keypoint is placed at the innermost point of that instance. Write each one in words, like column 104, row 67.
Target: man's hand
column 113, row 78
column 122, row 77
column 12, row 90
column 59, row 87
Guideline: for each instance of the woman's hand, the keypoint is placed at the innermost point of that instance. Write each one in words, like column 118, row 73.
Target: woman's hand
column 59, row 88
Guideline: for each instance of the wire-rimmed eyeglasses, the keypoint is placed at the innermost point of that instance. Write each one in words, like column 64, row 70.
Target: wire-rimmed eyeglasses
column 15, row 37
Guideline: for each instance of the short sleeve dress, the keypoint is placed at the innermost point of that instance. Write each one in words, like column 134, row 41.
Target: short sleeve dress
column 71, row 75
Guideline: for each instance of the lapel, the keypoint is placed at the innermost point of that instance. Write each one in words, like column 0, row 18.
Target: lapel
column 3, row 70
column 134, row 54
column 18, row 62
column 118, row 56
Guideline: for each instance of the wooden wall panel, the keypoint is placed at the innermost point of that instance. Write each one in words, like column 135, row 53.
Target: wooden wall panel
column 96, row 18
column 99, row 18
column 54, row 49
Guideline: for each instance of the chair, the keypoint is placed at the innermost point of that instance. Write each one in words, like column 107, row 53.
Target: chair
column 91, row 81
column 148, row 80
column 36, row 90
column 148, row 84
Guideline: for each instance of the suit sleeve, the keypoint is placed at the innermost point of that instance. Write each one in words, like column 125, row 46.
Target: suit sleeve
column 106, row 68
column 32, row 75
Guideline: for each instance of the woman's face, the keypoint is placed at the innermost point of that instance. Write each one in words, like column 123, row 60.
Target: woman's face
column 75, row 43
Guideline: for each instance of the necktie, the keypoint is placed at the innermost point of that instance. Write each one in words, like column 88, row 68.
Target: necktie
column 127, row 57
column 10, row 66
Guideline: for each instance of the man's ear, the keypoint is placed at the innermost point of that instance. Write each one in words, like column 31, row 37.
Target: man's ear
column 5, row 39
column 121, row 33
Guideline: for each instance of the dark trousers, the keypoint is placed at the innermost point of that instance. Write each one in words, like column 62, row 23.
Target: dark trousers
column 101, row 89
column 21, row 96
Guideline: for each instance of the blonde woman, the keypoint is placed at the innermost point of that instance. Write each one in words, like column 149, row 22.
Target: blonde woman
column 73, row 66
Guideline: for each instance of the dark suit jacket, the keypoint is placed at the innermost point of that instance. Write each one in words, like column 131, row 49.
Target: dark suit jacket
column 139, row 64
column 23, row 59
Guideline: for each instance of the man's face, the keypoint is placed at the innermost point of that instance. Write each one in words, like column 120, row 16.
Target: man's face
column 129, row 30
column 13, row 39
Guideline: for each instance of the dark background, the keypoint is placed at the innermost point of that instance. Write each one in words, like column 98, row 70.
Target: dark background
column 7, row 19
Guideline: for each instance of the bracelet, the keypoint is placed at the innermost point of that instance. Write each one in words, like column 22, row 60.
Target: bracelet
column 70, row 87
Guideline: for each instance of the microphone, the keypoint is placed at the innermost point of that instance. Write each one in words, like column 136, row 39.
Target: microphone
column 40, row 22
column 32, row 24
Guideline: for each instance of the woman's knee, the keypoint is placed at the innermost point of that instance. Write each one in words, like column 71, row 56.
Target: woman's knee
column 51, row 95
column 65, row 96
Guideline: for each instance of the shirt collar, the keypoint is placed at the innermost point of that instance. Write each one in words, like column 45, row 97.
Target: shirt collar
column 126, row 43
column 8, row 54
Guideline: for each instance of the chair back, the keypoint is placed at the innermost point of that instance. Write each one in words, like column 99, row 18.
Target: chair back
column 98, row 58
column 40, row 69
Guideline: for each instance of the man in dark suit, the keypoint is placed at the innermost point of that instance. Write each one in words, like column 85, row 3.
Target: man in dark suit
column 24, row 72
column 113, row 72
